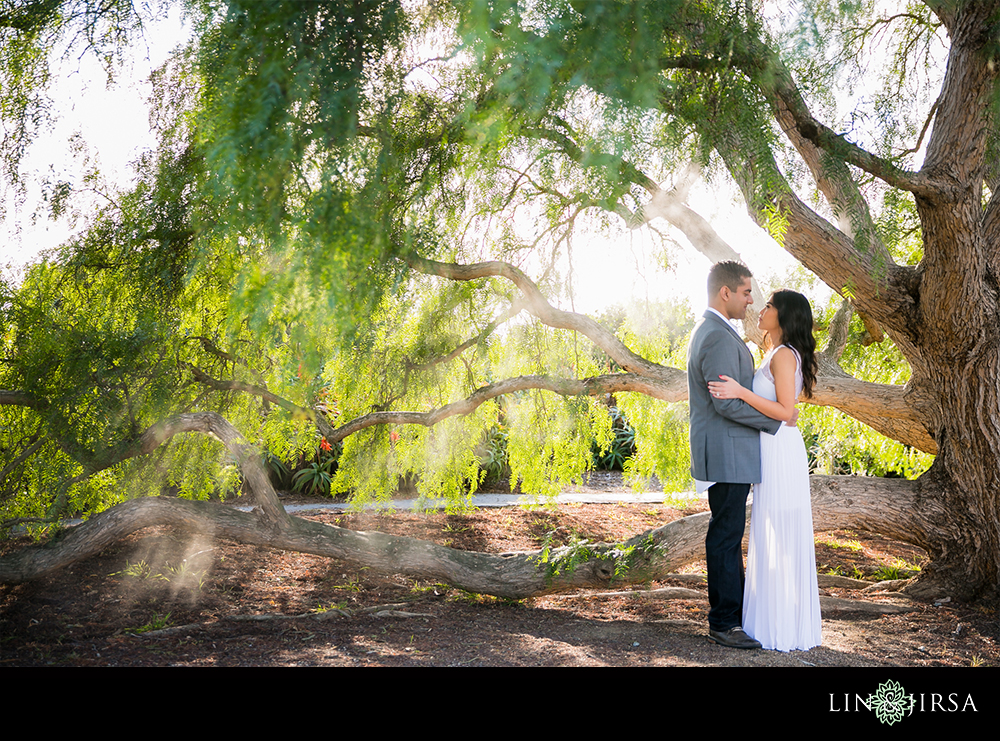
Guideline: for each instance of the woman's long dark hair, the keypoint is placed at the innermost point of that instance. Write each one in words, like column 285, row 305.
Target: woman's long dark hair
column 795, row 318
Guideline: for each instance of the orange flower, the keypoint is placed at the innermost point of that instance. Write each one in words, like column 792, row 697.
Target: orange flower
column 394, row 436
column 325, row 446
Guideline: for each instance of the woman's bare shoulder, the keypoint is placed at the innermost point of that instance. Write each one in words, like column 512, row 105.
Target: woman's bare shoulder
column 783, row 359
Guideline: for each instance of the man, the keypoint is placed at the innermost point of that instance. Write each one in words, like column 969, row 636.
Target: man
column 725, row 445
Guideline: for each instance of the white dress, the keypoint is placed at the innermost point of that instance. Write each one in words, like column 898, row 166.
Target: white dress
column 781, row 597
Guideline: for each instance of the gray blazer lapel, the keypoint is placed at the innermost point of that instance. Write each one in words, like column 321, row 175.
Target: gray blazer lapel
column 709, row 314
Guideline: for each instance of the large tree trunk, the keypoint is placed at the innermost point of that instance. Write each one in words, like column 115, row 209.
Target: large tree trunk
column 963, row 539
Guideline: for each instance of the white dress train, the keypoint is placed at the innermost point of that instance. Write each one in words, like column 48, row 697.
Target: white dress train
column 781, row 596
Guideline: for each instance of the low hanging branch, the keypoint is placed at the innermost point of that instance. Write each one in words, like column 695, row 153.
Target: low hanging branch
column 510, row 575
column 673, row 389
column 536, row 303
column 646, row 556
column 209, row 423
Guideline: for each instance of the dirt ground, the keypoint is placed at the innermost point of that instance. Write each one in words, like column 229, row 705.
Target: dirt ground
column 159, row 598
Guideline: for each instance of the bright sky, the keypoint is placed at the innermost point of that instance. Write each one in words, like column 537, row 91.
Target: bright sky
column 114, row 124
column 613, row 271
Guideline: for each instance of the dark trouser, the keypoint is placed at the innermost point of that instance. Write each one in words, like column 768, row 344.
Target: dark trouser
column 724, row 554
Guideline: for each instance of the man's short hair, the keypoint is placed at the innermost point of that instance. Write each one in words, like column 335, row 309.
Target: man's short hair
column 727, row 273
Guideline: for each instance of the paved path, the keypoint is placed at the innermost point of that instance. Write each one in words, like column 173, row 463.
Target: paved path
column 506, row 500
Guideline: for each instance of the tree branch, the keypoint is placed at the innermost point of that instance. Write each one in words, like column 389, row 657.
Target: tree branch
column 671, row 387
column 510, row 575
column 319, row 419
column 205, row 422
column 536, row 303
column 891, row 415
column 666, row 204
column 838, row 186
column 623, row 167
column 777, row 84
column 891, row 507
column 883, row 407
column 885, row 292
column 19, row 398
column 840, row 190
column 669, row 205
column 514, row 309
column 34, row 445
column 837, row 332
column 923, row 131
column 959, row 136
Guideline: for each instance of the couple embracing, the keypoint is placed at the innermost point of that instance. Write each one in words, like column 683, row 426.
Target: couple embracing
column 743, row 432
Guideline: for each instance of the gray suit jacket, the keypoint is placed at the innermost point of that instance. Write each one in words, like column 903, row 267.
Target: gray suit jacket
column 725, row 439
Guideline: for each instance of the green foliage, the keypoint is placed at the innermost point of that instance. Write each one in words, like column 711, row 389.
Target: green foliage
column 899, row 227
column 277, row 471
column 650, row 437
column 157, row 622
column 621, row 448
column 159, row 283
column 338, row 607
column 137, row 570
column 852, row 544
column 662, row 445
column 306, row 147
column 657, row 330
column 839, row 444
column 493, row 456
column 898, row 569
column 314, row 479
column 776, row 224
column 566, row 559
column 549, row 446
column 183, row 574
column 281, row 92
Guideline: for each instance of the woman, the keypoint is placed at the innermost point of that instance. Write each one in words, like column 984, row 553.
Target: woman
column 781, row 597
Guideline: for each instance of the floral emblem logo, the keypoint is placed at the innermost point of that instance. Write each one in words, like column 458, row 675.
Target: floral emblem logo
column 890, row 702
